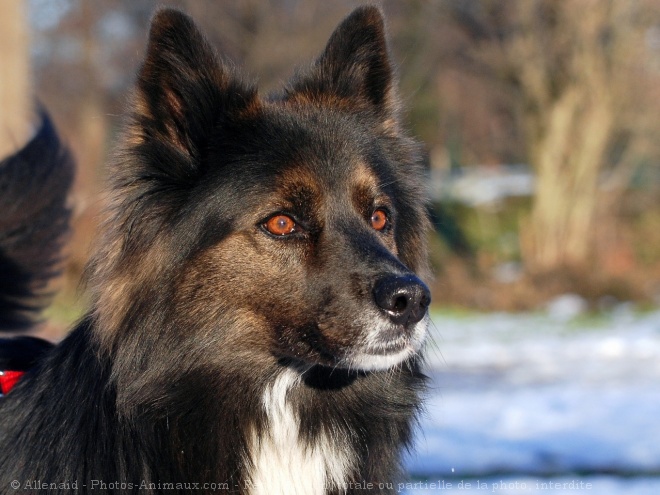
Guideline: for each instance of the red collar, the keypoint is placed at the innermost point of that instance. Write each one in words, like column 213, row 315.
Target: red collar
column 8, row 379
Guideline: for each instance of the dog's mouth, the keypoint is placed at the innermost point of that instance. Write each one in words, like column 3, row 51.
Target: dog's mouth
column 381, row 357
column 386, row 347
column 370, row 343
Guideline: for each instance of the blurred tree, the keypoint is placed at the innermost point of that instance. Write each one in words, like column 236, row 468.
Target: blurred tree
column 267, row 38
column 576, row 70
column 15, row 87
column 415, row 41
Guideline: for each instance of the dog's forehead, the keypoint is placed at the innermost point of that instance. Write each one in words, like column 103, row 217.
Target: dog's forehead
column 315, row 179
column 325, row 149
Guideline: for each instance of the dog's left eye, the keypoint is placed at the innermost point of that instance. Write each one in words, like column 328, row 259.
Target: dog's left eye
column 379, row 219
column 281, row 225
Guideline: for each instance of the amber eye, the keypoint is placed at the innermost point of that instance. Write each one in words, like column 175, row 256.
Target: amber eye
column 280, row 225
column 379, row 219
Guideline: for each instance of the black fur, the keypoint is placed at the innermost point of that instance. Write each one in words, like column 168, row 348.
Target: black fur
column 197, row 309
column 34, row 223
column 22, row 353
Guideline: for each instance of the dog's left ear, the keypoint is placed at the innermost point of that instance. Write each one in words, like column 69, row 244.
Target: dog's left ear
column 355, row 69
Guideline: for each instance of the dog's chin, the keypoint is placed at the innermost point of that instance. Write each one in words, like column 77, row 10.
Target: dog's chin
column 375, row 362
column 383, row 352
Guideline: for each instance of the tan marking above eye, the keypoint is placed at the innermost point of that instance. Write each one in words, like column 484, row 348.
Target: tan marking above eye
column 379, row 219
column 280, row 225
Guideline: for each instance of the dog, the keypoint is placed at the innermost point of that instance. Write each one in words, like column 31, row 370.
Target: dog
column 258, row 311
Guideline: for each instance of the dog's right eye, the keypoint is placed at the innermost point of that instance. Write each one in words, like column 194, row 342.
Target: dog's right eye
column 281, row 225
column 379, row 220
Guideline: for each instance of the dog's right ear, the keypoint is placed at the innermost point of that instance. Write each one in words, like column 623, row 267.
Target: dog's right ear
column 183, row 91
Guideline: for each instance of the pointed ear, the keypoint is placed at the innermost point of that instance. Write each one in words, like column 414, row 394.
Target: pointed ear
column 183, row 89
column 355, row 67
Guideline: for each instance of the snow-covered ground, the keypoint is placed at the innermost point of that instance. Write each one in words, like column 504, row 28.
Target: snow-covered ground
column 537, row 398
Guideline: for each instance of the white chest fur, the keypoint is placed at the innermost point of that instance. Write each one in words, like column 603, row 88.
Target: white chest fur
column 283, row 463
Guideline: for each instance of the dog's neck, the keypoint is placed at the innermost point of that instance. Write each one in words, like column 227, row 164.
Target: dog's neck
column 284, row 462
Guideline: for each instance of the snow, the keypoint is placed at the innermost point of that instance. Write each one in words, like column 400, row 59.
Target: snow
column 566, row 307
column 541, row 396
column 480, row 185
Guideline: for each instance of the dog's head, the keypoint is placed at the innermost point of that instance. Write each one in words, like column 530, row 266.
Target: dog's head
column 289, row 227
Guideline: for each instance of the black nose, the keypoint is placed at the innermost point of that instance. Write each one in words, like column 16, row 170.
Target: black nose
column 404, row 298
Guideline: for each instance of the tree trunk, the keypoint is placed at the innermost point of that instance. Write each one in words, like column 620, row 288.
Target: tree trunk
column 568, row 155
column 15, row 89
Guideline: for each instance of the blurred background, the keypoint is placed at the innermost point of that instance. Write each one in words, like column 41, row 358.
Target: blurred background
column 541, row 120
